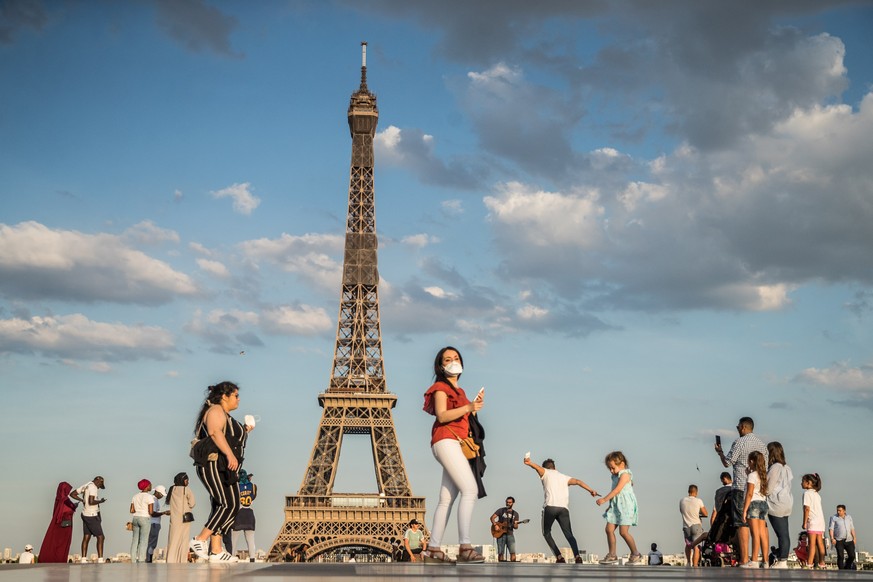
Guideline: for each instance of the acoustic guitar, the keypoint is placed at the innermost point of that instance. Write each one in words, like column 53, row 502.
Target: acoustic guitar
column 500, row 528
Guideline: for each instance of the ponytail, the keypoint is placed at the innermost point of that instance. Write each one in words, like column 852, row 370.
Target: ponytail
column 213, row 396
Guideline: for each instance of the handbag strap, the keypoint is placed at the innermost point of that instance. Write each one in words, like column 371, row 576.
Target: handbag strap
column 454, row 433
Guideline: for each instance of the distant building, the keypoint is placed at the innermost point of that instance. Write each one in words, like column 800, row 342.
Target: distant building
column 533, row 558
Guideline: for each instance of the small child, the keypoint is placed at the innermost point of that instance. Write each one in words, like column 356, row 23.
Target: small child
column 813, row 518
column 802, row 549
column 755, row 509
column 622, row 510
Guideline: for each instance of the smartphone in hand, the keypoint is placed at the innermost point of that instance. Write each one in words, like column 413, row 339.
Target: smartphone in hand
column 718, row 440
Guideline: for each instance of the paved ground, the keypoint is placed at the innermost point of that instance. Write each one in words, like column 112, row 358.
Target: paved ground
column 374, row 572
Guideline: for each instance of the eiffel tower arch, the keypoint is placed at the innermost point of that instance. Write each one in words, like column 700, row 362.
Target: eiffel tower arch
column 319, row 520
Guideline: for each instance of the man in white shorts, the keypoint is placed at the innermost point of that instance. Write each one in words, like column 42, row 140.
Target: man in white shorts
column 692, row 509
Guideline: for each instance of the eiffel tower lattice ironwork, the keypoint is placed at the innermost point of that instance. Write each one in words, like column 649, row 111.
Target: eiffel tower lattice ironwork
column 318, row 520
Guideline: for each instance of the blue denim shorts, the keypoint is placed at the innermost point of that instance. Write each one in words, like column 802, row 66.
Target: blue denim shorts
column 757, row 510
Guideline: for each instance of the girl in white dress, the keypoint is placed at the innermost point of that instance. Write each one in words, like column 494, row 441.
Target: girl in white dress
column 813, row 518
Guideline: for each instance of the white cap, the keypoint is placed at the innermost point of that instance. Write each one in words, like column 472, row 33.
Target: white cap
column 27, row 547
column 161, row 489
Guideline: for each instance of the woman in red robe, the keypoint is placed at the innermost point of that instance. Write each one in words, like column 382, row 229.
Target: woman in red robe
column 56, row 544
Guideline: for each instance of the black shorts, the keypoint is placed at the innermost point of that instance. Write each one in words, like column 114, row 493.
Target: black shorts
column 244, row 520
column 92, row 526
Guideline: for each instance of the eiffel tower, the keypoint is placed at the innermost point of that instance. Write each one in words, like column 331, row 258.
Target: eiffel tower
column 317, row 519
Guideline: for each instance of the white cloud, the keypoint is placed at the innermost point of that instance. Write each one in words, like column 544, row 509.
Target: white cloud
column 38, row 262
column 530, row 312
column 545, row 219
column 213, row 268
column 452, row 207
column 244, row 202
column 737, row 228
column 498, row 78
column 227, row 329
column 308, row 255
column 419, row 240
column 296, row 320
column 76, row 337
column 439, row 292
column 641, row 191
column 200, row 249
column 840, row 376
column 387, row 143
column 146, row 232
column 413, row 150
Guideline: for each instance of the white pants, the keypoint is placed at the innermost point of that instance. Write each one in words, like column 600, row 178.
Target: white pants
column 457, row 478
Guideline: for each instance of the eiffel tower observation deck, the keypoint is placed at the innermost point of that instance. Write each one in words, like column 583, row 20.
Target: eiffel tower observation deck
column 319, row 520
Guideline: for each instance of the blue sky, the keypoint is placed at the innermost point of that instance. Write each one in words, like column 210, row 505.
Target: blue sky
column 637, row 221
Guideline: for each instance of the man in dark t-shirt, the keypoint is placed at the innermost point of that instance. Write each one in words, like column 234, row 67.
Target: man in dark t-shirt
column 721, row 493
column 504, row 522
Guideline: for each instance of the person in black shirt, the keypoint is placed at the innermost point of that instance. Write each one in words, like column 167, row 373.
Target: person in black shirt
column 504, row 522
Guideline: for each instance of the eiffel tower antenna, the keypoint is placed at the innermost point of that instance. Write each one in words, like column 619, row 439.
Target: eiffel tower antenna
column 318, row 520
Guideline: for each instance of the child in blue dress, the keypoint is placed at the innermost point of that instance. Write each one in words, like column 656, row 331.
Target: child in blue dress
column 622, row 510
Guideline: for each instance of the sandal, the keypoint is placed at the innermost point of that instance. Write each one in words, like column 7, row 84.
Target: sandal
column 470, row 556
column 430, row 556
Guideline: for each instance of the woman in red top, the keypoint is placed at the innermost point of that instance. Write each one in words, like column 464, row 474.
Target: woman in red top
column 448, row 402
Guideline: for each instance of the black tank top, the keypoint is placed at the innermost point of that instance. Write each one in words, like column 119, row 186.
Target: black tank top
column 235, row 434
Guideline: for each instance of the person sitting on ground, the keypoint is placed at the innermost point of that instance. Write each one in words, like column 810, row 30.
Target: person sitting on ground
column 27, row 557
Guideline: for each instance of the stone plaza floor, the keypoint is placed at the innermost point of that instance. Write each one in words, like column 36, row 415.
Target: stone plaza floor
column 374, row 572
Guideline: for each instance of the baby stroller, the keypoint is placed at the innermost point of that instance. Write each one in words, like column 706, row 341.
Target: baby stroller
column 717, row 549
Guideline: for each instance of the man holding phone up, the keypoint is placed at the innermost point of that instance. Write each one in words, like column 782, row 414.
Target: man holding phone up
column 738, row 458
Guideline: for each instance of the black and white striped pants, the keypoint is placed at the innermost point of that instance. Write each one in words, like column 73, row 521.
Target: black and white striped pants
column 223, row 497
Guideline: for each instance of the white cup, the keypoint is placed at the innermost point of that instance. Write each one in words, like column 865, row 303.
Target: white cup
column 250, row 420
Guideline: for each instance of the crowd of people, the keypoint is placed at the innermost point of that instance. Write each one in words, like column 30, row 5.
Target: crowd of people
column 760, row 487
column 457, row 443
column 758, row 491
column 218, row 456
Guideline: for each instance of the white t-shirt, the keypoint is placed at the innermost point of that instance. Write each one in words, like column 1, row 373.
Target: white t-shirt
column 141, row 504
column 25, row 557
column 87, row 491
column 556, row 488
column 815, row 519
column 690, row 507
column 756, row 481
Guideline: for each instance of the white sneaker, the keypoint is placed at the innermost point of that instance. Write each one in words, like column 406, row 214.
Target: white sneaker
column 780, row 565
column 200, row 549
column 101, row 561
column 751, row 565
column 83, row 561
column 223, row 558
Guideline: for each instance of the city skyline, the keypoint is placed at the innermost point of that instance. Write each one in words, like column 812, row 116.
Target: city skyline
column 636, row 224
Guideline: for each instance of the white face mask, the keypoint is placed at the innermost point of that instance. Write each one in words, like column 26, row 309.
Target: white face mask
column 453, row 369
